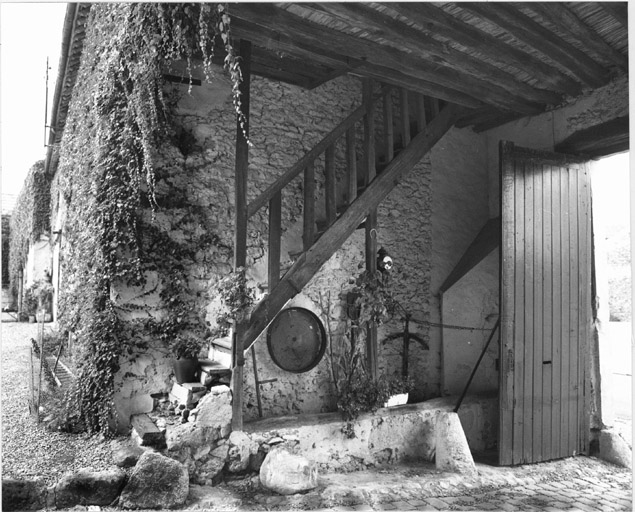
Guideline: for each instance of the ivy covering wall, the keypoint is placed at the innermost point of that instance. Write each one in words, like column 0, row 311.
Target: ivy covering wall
column 110, row 176
column 29, row 220
column 6, row 235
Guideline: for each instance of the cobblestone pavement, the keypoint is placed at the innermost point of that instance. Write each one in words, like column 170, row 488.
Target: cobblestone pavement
column 579, row 483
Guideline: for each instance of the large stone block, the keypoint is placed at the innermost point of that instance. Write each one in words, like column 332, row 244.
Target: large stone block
column 23, row 494
column 615, row 450
column 286, row 473
column 452, row 451
column 215, row 410
column 89, row 488
column 156, row 482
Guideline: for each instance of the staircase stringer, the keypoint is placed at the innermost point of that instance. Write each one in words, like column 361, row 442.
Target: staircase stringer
column 336, row 235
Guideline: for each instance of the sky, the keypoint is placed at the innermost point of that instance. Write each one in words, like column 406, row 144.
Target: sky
column 29, row 33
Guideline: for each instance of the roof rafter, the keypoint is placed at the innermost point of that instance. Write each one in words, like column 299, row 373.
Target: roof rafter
column 364, row 17
column 436, row 20
column 567, row 22
column 378, row 58
column 526, row 30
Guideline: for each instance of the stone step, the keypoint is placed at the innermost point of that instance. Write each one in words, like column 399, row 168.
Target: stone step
column 187, row 393
column 220, row 354
column 146, row 432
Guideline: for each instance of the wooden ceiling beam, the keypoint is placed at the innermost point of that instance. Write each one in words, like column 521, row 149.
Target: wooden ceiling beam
column 364, row 17
column 618, row 10
column 531, row 33
column 437, row 21
column 568, row 23
column 601, row 140
column 318, row 37
column 274, row 41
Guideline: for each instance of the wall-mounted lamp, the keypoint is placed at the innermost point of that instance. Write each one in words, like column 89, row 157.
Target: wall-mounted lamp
column 384, row 261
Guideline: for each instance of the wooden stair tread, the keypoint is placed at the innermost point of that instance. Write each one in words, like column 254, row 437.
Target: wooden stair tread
column 148, row 433
column 223, row 343
column 212, row 367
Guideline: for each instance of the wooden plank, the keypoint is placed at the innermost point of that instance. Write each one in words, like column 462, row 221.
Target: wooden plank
column 405, row 116
column 568, row 23
column 443, row 24
column 507, row 305
column 566, row 319
column 240, row 230
column 308, row 233
column 557, row 300
column 389, row 130
column 519, row 314
column 523, row 28
column 351, row 164
column 528, row 311
column 148, row 433
column 574, row 315
column 547, row 302
column 330, row 192
column 275, row 238
column 586, row 241
column 538, row 313
column 303, row 269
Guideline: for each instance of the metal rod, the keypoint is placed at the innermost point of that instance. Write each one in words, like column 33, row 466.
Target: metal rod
column 258, row 399
column 498, row 322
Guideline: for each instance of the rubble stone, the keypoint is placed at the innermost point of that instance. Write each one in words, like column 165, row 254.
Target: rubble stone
column 89, row 488
column 156, row 482
column 286, row 473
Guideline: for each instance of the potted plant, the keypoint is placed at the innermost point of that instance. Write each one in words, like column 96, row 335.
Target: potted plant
column 235, row 299
column 43, row 291
column 29, row 304
column 395, row 390
column 186, row 349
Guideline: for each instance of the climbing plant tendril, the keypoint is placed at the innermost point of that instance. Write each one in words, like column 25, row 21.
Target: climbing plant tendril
column 117, row 124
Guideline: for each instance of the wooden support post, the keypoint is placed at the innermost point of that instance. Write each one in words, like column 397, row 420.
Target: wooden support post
column 308, row 234
column 405, row 117
column 240, row 229
column 371, row 219
column 330, row 185
column 351, row 163
column 435, row 107
column 275, row 235
column 421, row 113
column 389, row 131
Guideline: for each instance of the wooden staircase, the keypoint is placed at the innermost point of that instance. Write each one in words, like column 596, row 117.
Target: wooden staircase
column 340, row 222
column 365, row 189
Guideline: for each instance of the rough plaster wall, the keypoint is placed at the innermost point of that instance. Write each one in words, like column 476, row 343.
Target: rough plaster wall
column 404, row 231
column 472, row 301
column 459, row 211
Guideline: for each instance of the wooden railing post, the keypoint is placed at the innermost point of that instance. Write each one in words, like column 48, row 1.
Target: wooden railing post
column 275, row 235
column 240, row 229
column 421, row 113
column 405, row 117
column 330, row 192
column 308, row 233
column 371, row 219
column 389, row 131
column 351, row 164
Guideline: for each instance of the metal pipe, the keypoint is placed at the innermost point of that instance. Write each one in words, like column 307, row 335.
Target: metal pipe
column 498, row 322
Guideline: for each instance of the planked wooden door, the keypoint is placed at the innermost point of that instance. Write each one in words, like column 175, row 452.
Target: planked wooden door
column 545, row 305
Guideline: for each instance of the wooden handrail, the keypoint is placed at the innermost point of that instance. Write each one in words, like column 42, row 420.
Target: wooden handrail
column 308, row 158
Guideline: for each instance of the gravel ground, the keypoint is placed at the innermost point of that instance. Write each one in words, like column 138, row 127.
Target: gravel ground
column 30, row 451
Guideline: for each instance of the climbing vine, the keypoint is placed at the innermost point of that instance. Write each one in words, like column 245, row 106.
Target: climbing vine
column 117, row 125
column 29, row 220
